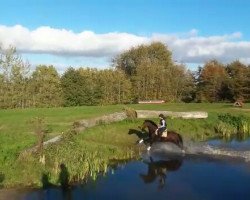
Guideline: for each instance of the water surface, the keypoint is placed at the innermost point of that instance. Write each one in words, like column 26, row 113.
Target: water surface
column 176, row 178
column 160, row 176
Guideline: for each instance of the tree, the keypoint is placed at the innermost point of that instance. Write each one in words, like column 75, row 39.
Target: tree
column 114, row 86
column 239, row 77
column 91, row 89
column 211, row 81
column 45, row 87
column 182, row 84
column 14, row 79
column 152, row 73
column 73, row 92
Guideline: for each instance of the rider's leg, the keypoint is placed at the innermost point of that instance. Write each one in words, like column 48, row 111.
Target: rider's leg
column 160, row 131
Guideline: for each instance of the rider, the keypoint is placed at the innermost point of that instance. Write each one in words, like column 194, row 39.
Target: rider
column 162, row 125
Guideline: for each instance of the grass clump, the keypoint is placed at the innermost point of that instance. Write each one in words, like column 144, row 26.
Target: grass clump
column 229, row 125
column 131, row 113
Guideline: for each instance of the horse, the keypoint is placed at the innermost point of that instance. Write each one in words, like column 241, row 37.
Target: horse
column 160, row 169
column 172, row 136
column 143, row 136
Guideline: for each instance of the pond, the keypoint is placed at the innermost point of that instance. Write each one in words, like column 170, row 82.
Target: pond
column 234, row 143
column 159, row 177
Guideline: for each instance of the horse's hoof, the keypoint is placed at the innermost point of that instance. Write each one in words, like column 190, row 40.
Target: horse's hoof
column 139, row 141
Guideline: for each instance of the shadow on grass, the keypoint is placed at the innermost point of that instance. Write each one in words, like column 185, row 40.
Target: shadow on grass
column 139, row 134
column 63, row 181
column 64, row 177
column 2, row 177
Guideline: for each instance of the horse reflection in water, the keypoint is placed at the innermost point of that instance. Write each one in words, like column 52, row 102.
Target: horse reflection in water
column 160, row 169
column 172, row 136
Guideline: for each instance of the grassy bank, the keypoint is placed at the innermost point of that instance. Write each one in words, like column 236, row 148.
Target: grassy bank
column 84, row 155
column 88, row 153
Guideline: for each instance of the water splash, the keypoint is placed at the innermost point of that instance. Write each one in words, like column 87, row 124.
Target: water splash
column 199, row 149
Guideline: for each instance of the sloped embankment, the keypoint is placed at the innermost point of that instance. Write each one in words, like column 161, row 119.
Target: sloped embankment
column 81, row 125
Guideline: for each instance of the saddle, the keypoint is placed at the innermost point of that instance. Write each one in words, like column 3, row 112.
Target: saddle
column 165, row 133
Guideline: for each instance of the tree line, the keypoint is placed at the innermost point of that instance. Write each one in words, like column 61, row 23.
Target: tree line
column 145, row 72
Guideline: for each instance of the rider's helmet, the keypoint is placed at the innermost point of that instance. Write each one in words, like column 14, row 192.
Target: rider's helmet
column 162, row 116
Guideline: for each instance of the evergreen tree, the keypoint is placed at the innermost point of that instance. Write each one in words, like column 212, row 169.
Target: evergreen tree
column 74, row 88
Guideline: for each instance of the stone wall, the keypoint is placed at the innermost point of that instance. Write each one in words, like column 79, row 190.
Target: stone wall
column 184, row 115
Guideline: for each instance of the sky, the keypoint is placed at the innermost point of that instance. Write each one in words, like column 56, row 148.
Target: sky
column 89, row 33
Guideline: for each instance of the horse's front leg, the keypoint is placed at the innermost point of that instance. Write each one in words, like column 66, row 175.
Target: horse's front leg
column 152, row 138
column 142, row 139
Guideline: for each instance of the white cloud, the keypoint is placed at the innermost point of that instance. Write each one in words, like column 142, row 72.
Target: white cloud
column 65, row 42
column 186, row 47
column 197, row 49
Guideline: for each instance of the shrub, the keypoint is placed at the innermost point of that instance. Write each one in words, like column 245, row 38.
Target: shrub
column 230, row 124
column 131, row 113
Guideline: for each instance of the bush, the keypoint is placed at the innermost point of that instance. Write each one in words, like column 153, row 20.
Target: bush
column 131, row 113
column 230, row 124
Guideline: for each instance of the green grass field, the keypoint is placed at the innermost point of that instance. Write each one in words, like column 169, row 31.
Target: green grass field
column 93, row 148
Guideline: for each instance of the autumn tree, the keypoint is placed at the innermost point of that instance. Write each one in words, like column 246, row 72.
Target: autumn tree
column 45, row 87
column 211, row 80
column 239, row 80
column 114, row 86
column 152, row 72
column 14, row 78
column 91, row 87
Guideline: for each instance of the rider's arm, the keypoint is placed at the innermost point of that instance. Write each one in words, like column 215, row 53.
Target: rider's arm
column 163, row 124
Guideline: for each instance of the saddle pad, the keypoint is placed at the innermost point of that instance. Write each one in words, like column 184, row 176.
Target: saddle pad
column 165, row 133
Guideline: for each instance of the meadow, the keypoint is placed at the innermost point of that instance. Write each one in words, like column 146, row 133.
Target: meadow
column 89, row 153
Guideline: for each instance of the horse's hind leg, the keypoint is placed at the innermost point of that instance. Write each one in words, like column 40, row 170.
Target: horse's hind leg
column 181, row 147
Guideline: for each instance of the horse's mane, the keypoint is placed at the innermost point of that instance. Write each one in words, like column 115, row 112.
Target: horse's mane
column 150, row 121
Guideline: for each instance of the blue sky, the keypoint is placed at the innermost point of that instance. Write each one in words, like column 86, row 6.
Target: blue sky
column 194, row 30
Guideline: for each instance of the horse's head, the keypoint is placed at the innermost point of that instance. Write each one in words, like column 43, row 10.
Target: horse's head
column 136, row 132
column 150, row 125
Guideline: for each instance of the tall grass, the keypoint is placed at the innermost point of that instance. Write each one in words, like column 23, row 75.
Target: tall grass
column 16, row 133
column 85, row 156
column 229, row 125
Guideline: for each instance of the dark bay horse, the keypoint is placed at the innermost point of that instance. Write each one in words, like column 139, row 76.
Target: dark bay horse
column 159, row 169
column 172, row 136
